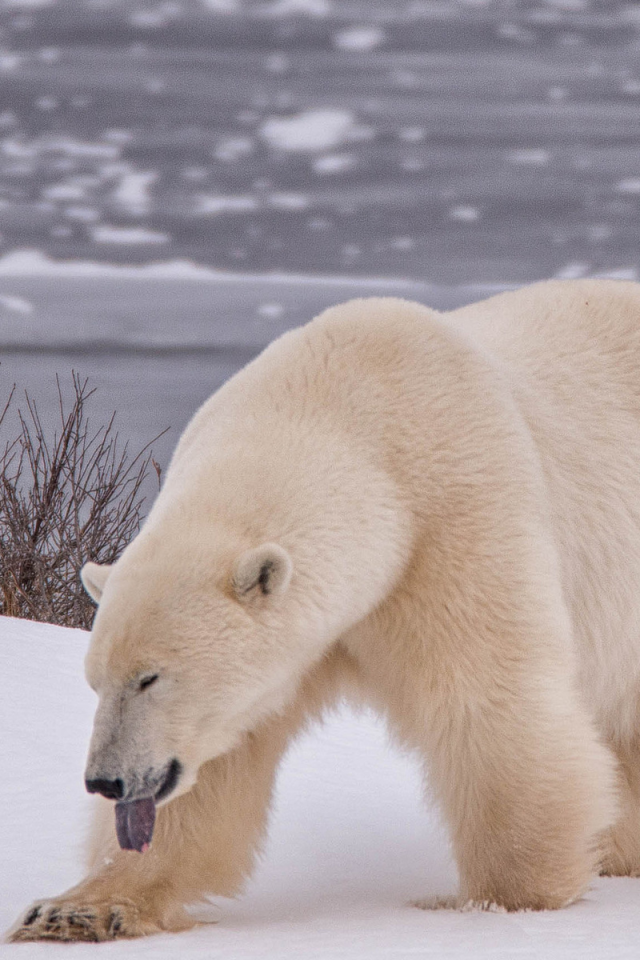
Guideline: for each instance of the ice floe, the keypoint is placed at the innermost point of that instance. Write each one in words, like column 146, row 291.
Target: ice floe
column 106, row 233
column 308, row 132
column 359, row 38
column 334, row 163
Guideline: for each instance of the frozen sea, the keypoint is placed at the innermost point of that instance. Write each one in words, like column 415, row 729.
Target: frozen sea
column 307, row 151
column 448, row 141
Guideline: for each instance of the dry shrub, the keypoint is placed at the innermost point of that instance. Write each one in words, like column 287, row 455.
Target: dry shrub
column 66, row 498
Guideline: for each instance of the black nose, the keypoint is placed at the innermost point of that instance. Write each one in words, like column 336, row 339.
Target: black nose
column 111, row 789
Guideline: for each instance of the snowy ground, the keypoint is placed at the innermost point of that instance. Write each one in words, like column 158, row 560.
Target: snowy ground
column 351, row 843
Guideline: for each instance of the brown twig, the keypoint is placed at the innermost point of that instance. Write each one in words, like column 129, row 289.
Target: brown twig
column 65, row 499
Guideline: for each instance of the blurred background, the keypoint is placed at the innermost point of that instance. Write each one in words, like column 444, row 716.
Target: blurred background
column 181, row 181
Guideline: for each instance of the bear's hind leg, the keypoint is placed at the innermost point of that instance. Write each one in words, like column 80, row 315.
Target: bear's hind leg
column 621, row 844
column 529, row 792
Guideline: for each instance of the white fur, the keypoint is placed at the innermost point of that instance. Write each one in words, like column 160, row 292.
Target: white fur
column 448, row 507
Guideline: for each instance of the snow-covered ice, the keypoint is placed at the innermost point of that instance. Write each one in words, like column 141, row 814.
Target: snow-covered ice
column 351, row 843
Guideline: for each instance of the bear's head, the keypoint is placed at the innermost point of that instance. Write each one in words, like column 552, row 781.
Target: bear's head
column 212, row 616
column 186, row 657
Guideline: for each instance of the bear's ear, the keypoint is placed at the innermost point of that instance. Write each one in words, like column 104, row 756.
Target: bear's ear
column 94, row 577
column 263, row 570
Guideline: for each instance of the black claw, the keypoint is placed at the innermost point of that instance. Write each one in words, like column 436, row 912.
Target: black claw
column 32, row 916
column 115, row 922
column 79, row 920
column 54, row 915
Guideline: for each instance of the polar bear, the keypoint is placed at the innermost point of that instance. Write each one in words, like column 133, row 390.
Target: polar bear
column 436, row 514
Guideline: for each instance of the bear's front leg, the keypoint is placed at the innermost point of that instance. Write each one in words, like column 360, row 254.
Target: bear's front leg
column 125, row 895
column 205, row 841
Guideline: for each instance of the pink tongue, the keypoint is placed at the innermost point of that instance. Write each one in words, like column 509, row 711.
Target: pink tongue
column 134, row 823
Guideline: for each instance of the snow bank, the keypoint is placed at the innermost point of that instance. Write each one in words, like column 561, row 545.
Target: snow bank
column 351, row 842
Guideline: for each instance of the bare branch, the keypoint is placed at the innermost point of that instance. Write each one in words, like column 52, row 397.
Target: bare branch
column 65, row 498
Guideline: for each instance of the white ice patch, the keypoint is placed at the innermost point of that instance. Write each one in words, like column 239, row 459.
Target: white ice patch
column 270, row 310
column 221, row 6
column 132, row 193
column 118, row 136
column 531, row 157
column 464, row 214
column 17, row 149
column 277, row 63
column 47, row 103
column 513, row 31
column 567, row 4
column 212, row 205
column 630, row 185
column 9, row 62
column 106, row 233
column 49, row 54
column 287, row 8
column 16, row 304
column 288, row 201
column 619, row 273
column 82, row 214
column 233, row 148
column 359, row 38
column 573, row 271
column 334, row 163
column 308, row 132
column 64, row 191
column 158, row 16
column 412, row 134
column 402, row 243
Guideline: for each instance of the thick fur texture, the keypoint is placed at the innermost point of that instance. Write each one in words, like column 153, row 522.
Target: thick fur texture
column 437, row 514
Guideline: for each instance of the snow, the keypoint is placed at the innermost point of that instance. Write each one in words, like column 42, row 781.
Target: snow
column 351, row 843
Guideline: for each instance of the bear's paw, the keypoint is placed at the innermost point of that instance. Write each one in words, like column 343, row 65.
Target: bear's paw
column 70, row 921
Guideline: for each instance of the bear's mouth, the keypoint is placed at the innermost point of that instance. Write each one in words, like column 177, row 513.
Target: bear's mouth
column 135, row 819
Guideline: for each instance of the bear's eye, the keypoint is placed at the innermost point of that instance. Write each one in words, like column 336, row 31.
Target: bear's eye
column 147, row 681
